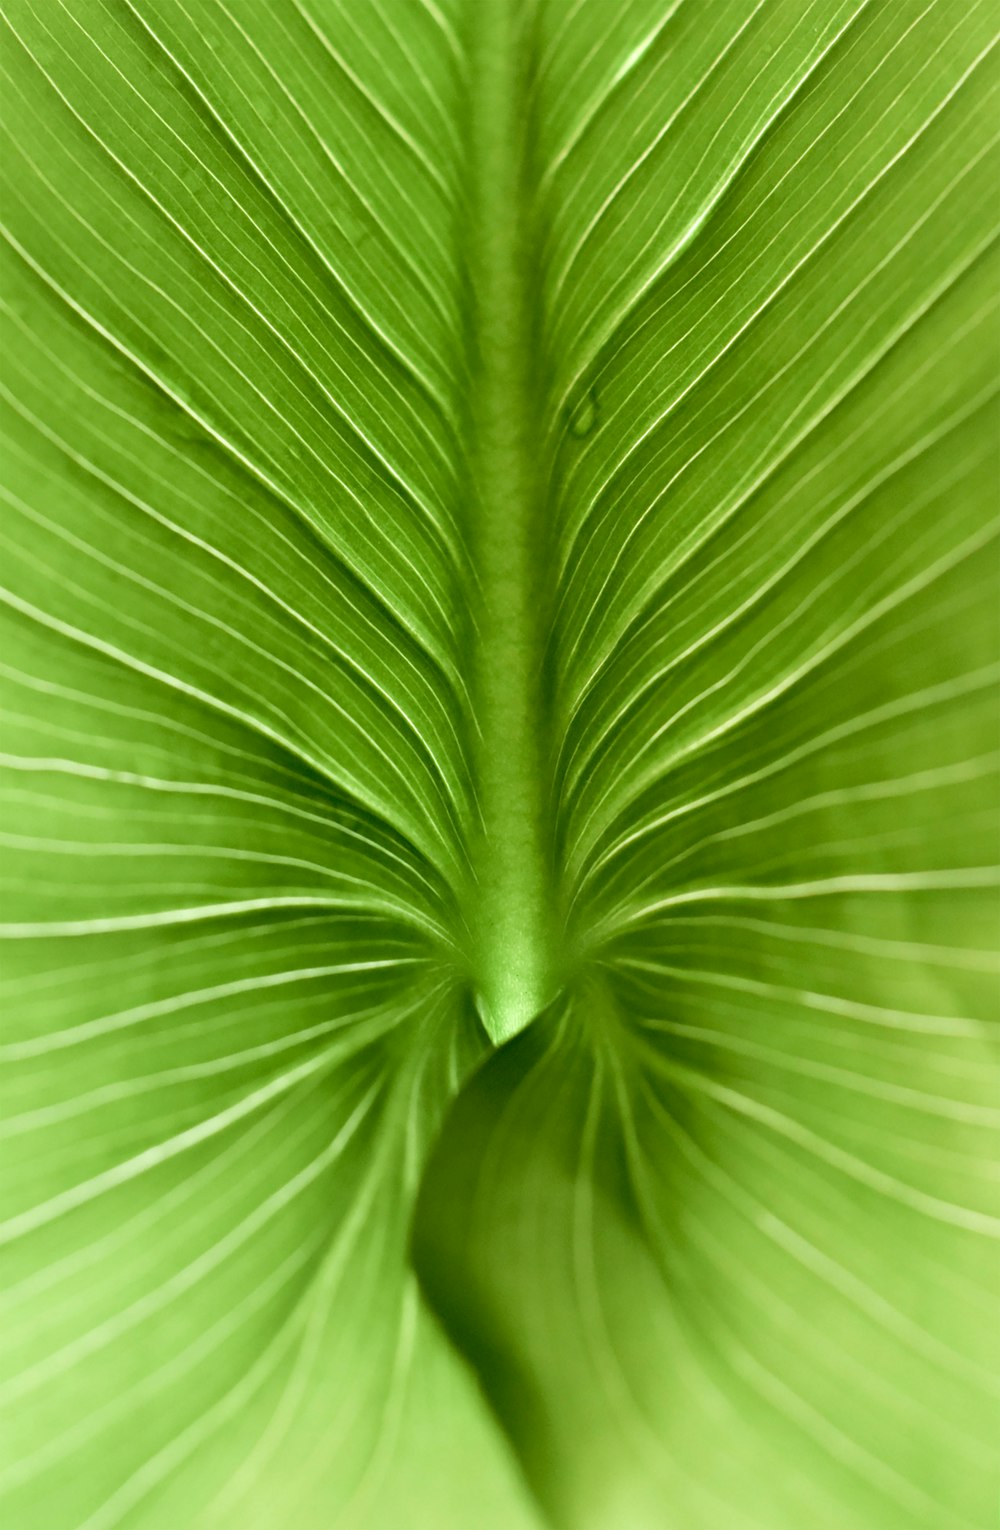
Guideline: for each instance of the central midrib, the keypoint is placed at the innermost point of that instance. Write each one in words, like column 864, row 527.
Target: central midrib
column 513, row 918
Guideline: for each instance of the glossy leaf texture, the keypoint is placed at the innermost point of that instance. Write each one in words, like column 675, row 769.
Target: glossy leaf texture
column 454, row 453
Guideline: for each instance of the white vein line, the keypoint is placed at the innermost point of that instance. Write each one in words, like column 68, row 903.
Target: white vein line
column 863, row 370
column 59, row 1205
column 764, row 305
column 840, row 513
column 832, row 1273
column 144, row 190
column 138, row 1014
column 354, row 298
column 342, row 779
column 597, row 102
column 326, row 693
column 946, row 1107
column 842, row 639
column 327, row 696
column 307, row 411
column 913, row 952
column 907, row 1021
column 228, row 446
column 682, row 240
column 274, row 531
column 981, row 679
column 774, row 228
column 374, row 101
column 791, row 1130
column 738, row 1358
column 38, row 765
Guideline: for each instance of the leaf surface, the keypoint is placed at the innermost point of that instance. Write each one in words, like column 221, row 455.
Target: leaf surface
column 499, row 542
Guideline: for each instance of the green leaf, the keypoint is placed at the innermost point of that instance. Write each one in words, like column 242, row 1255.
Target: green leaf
column 499, row 542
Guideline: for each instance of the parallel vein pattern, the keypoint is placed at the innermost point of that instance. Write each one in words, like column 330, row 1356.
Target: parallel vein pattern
column 719, row 1232
column 498, row 535
column 235, row 732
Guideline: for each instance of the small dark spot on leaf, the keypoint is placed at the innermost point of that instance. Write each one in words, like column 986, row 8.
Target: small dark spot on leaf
column 585, row 415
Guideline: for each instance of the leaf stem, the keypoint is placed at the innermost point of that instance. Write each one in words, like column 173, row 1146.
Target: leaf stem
column 514, row 963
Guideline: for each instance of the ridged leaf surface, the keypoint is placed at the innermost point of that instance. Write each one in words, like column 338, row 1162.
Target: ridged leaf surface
column 499, row 672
